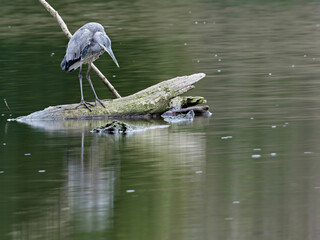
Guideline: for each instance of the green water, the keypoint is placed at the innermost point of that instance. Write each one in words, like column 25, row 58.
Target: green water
column 250, row 171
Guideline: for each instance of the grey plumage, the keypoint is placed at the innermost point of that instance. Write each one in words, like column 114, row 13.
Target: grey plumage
column 86, row 45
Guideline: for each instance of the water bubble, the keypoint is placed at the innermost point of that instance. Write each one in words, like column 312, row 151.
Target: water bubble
column 1, row 171
column 256, row 156
column 196, row 22
column 292, row 65
column 130, row 191
column 27, row 154
column 4, row 144
column 305, row 55
column 190, row 12
column 185, row 44
column 216, row 55
column 198, row 172
column 257, row 149
column 89, row 14
column 251, row 118
column 273, row 126
column 226, row 137
column 198, row 61
column 42, row 171
column 308, row 152
column 2, row 114
column 270, row 74
column 219, row 59
column 273, row 154
column 219, row 70
column 52, row 54
column 235, row 202
column 114, row 75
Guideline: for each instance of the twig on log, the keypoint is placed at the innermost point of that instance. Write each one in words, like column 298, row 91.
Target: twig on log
column 66, row 31
column 5, row 102
column 105, row 81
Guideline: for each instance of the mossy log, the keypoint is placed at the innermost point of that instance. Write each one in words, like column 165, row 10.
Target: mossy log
column 151, row 101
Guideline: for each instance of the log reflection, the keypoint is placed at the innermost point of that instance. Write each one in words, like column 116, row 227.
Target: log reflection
column 98, row 171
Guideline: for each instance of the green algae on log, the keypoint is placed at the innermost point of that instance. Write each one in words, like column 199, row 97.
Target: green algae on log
column 151, row 101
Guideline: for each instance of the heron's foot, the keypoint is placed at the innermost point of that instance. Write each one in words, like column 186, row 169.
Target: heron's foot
column 98, row 100
column 86, row 104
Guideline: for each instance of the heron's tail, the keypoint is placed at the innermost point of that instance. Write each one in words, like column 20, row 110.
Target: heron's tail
column 71, row 65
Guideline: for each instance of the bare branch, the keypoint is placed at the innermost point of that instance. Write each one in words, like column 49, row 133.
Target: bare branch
column 56, row 15
column 66, row 31
column 105, row 81
column 5, row 101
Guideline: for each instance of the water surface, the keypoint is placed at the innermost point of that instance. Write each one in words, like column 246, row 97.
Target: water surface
column 251, row 171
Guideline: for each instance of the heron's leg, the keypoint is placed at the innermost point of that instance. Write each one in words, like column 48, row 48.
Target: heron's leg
column 82, row 102
column 94, row 92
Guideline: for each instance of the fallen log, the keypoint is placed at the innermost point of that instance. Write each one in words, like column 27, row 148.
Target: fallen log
column 151, row 101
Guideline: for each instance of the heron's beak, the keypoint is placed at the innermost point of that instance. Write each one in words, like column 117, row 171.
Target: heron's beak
column 109, row 50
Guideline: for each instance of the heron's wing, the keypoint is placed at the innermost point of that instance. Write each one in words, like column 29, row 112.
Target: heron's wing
column 78, row 45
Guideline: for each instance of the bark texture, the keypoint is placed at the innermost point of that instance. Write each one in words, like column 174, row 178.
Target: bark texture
column 153, row 100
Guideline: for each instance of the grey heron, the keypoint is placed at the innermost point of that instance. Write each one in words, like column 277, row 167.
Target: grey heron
column 86, row 45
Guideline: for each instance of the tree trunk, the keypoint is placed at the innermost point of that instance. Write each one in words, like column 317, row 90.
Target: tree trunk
column 151, row 101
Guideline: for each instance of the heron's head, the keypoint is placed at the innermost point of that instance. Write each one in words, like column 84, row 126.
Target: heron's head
column 105, row 43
